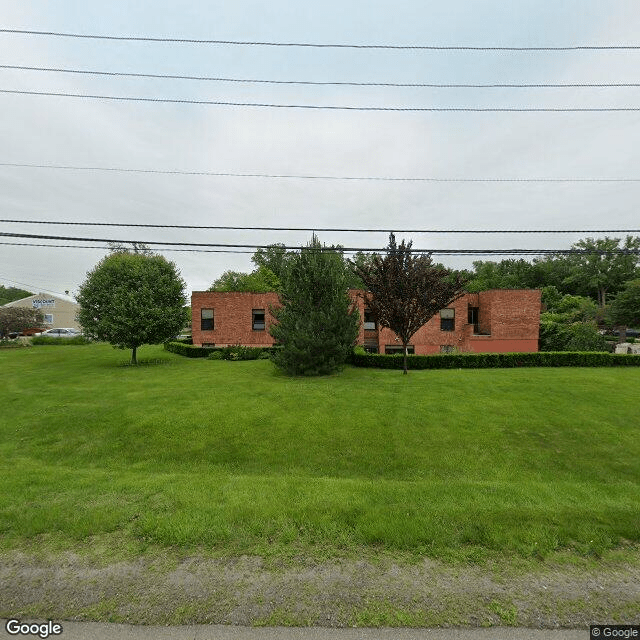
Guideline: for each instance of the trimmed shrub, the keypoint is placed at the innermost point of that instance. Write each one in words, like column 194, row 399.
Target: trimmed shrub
column 188, row 350
column 40, row 340
column 235, row 352
column 497, row 360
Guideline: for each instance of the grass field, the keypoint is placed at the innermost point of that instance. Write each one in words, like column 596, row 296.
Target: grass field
column 236, row 458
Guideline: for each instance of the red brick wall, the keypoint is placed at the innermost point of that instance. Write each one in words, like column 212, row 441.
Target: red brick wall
column 509, row 320
column 232, row 318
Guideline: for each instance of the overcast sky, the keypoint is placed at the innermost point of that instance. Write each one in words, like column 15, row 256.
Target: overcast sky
column 187, row 137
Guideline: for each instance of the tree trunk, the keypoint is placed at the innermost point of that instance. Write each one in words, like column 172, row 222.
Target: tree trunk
column 404, row 370
column 602, row 294
column 133, row 356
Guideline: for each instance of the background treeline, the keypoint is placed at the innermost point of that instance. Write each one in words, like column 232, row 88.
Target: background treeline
column 583, row 293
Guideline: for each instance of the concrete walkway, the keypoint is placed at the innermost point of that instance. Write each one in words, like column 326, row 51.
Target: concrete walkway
column 106, row 631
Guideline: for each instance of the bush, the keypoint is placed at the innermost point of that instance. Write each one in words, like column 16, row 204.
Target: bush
column 239, row 352
column 188, row 350
column 235, row 352
column 497, row 360
column 41, row 340
column 578, row 336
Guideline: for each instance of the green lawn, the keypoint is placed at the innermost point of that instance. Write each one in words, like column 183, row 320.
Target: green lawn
column 236, row 458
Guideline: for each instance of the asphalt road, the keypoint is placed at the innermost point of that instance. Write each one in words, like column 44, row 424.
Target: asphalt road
column 106, row 631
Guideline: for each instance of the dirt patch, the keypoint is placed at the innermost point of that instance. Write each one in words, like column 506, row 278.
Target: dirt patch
column 167, row 589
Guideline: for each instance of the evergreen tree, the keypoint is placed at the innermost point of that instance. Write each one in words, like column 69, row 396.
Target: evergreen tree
column 317, row 323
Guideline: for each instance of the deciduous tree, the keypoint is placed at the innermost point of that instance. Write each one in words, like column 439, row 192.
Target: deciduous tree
column 18, row 319
column 131, row 299
column 404, row 291
column 604, row 265
column 625, row 308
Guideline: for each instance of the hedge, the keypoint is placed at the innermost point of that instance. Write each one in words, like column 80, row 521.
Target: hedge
column 188, row 350
column 496, row 360
column 235, row 352
column 40, row 340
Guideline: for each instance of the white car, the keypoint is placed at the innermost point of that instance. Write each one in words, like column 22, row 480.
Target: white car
column 60, row 333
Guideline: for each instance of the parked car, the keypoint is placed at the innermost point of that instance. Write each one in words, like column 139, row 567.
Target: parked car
column 60, row 333
column 32, row 331
column 631, row 333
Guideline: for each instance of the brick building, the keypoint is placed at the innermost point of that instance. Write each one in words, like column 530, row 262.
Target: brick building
column 499, row 320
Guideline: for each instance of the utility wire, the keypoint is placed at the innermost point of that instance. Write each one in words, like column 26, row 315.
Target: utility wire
column 315, row 106
column 329, row 248
column 304, row 177
column 330, row 229
column 624, row 47
column 24, row 284
column 599, row 85
column 443, row 252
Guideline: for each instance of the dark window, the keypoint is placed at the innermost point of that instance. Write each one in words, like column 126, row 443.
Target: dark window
column 371, row 348
column 390, row 349
column 448, row 320
column 447, row 348
column 206, row 319
column 369, row 321
column 257, row 320
column 473, row 318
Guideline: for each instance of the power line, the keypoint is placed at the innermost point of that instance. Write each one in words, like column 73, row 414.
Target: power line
column 305, row 177
column 165, row 76
column 626, row 47
column 24, row 284
column 328, row 229
column 349, row 249
column 318, row 107
column 107, row 248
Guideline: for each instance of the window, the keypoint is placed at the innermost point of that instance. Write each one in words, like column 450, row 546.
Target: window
column 48, row 318
column 258, row 320
column 447, row 320
column 390, row 349
column 473, row 318
column 206, row 319
column 447, row 348
column 369, row 321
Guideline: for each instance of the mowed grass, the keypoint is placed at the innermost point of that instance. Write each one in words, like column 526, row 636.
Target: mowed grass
column 236, row 458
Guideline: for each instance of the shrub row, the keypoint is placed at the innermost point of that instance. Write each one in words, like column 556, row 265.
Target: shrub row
column 235, row 352
column 496, row 360
column 188, row 350
column 59, row 341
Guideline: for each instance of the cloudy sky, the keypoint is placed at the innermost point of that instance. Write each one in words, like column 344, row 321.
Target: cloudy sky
column 164, row 137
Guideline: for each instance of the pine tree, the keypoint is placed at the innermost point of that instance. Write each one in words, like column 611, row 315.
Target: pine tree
column 317, row 324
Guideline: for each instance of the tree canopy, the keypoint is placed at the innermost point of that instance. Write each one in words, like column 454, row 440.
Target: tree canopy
column 10, row 294
column 404, row 291
column 18, row 319
column 131, row 299
column 625, row 308
column 261, row 280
